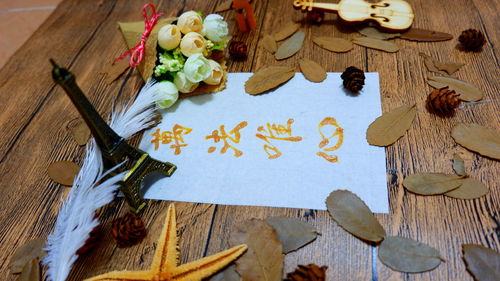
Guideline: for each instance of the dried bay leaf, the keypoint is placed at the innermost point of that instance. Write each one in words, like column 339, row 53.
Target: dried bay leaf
column 228, row 274
column 352, row 214
column 292, row 233
column 477, row 138
column 429, row 62
column 431, row 183
column 469, row 189
column 79, row 130
column 312, row 70
column 27, row 252
column 373, row 32
column 333, row 44
column 31, row 271
column 392, row 125
column 269, row 43
column 263, row 261
column 449, row 67
column 268, row 78
column 407, row 255
column 286, row 31
column 377, row 44
column 482, row 262
column 468, row 92
column 291, row 46
column 423, row 35
column 458, row 165
column 223, row 6
column 63, row 172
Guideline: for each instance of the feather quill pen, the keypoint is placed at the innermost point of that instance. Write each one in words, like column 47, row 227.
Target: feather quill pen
column 76, row 219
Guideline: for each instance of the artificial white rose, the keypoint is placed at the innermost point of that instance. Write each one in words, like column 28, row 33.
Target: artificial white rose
column 167, row 94
column 215, row 28
column 192, row 43
column 183, row 84
column 190, row 22
column 169, row 37
column 197, row 68
column 215, row 75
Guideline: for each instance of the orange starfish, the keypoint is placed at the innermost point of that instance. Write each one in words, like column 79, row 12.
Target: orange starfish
column 165, row 261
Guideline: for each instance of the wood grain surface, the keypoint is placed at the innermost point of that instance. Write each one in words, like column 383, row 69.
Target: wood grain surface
column 83, row 36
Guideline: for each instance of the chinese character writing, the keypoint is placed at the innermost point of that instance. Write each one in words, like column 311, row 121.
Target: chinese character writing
column 233, row 136
column 175, row 137
column 338, row 132
column 276, row 132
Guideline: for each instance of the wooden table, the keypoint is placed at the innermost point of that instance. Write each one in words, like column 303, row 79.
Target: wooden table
column 83, row 35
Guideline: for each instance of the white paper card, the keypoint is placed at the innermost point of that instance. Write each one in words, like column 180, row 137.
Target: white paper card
column 297, row 176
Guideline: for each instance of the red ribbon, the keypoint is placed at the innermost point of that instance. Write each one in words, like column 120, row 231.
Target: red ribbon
column 139, row 49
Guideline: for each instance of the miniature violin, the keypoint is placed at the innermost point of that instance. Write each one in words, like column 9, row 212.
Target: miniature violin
column 391, row 14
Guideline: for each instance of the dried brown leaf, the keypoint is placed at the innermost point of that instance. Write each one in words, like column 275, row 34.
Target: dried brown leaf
column 480, row 139
column 429, row 63
column 312, row 70
column 373, row 32
column 291, row 46
column 333, row 44
column 228, row 274
column 63, row 172
column 116, row 69
column 79, row 130
column 352, row 214
column 417, row 34
column 482, row 262
column 269, row 43
column 268, row 78
column 377, row 44
column 431, row 183
column 223, row 6
column 392, row 125
column 31, row 271
column 468, row 92
column 286, row 31
column 264, row 259
column 292, row 233
column 458, row 165
column 407, row 255
column 469, row 189
column 25, row 253
column 449, row 67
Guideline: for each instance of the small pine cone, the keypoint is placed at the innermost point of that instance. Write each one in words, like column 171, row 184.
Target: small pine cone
column 354, row 79
column 128, row 230
column 315, row 17
column 91, row 242
column 472, row 39
column 238, row 50
column 310, row 272
column 443, row 101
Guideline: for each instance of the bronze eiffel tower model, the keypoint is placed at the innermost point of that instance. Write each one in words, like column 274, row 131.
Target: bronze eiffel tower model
column 114, row 148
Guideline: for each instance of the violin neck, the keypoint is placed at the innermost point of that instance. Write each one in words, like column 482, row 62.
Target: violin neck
column 325, row 7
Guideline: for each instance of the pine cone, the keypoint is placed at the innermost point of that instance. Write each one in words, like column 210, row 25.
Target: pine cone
column 310, row 272
column 443, row 101
column 472, row 39
column 315, row 17
column 91, row 242
column 238, row 50
column 128, row 230
column 354, row 79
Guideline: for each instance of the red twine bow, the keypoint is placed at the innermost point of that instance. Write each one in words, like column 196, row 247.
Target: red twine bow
column 139, row 49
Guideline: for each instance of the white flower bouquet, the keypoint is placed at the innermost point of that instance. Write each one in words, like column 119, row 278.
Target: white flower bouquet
column 189, row 57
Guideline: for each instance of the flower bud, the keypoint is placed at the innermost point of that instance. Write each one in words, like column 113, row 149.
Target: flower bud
column 215, row 28
column 169, row 37
column 190, row 22
column 183, row 84
column 192, row 43
column 197, row 68
column 167, row 94
column 216, row 73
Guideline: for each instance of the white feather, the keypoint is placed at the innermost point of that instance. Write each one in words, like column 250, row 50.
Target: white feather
column 76, row 216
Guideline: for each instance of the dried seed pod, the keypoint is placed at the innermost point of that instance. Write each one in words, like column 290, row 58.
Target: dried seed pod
column 309, row 272
column 128, row 230
column 443, row 101
column 315, row 17
column 354, row 79
column 238, row 50
column 472, row 39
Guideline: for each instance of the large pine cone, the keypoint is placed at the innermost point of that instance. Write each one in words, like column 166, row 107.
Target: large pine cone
column 91, row 242
column 472, row 39
column 443, row 101
column 238, row 50
column 354, row 79
column 310, row 272
column 128, row 230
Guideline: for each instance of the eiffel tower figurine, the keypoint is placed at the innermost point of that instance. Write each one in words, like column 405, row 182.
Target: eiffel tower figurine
column 114, row 148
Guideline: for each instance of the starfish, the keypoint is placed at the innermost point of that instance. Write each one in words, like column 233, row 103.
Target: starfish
column 165, row 261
